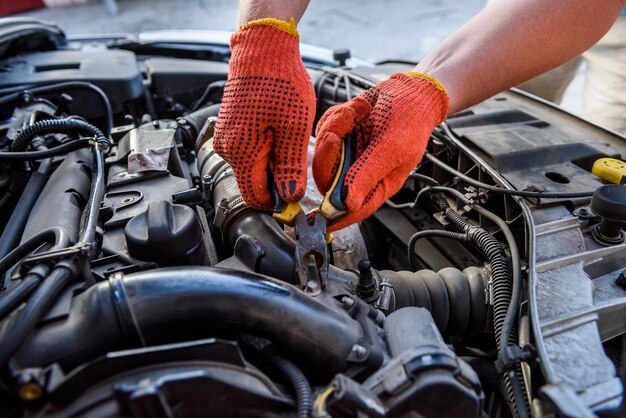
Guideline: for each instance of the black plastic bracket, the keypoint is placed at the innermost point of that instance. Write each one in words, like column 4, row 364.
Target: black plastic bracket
column 512, row 355
column 78, row 253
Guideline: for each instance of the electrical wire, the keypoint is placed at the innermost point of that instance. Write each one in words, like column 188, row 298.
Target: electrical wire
column 430, row 233
column 409, row 205
column 319, row 406
column 513, row 250
column 210, row 89
column 346, row 82
column 52, row 152
column 500, row 190
column 62, row 87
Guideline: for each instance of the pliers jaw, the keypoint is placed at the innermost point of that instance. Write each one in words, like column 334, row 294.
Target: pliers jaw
column 311, row 252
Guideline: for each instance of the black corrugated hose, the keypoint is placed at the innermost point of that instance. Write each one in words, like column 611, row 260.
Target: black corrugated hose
column 19, row 172
column 502, row 292
column 299, row 382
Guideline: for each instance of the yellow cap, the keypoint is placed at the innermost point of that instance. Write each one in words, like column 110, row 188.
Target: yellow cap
column 610, row 170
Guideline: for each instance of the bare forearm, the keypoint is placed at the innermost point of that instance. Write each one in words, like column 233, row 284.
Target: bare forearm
column 278, row 9
column 514, row 40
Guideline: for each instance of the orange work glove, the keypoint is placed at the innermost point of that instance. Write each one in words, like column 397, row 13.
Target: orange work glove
column 267, row 112
column 393, row 122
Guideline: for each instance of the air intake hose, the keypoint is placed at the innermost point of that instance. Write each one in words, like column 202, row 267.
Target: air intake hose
column 456, row 299
column 173, row 304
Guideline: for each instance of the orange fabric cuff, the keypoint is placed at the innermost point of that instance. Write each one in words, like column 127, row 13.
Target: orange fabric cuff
column 287, row 27
column 436, row 83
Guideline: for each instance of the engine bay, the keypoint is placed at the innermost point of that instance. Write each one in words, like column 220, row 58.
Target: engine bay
column 138, row 283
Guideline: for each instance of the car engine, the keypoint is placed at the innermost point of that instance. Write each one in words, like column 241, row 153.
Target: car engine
column 137, row 283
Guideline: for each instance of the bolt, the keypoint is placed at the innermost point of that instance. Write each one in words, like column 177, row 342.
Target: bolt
column 348, row 302
column 127, row 200
column 27, row 97
column 156, row 124
column 312, row 285
column 30, row 392
column 621, row 280
column 359, row 351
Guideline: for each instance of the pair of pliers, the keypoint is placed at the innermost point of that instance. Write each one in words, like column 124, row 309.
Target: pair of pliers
column 312, row 255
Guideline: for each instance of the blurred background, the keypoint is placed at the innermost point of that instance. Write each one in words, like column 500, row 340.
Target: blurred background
column 371, row 29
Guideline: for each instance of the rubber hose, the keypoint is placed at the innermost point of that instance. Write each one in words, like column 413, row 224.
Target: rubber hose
column 299, row 382
column 48, row 153
column 15, row 226
column 171, row 304
column 96, row 193
column 16, row 296
column 455, row 298
column 20, row 169
column 441, row 233
column 59, row 235
column 500, row 268
column 26, row 319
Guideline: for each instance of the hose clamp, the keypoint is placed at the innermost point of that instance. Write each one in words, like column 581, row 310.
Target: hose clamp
column 123, row 308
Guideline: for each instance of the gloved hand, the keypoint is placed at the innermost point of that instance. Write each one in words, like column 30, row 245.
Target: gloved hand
column 267, row 112
column 393, row 122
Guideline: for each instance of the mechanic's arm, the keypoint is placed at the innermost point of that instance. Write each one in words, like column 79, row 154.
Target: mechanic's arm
column 510, row 42
column 250, row 10
column 505, row 44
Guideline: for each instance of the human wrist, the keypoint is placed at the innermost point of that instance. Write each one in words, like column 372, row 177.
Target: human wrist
column 423, row 91
column 251, row 10
column 265, row 46
column 288, row 26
